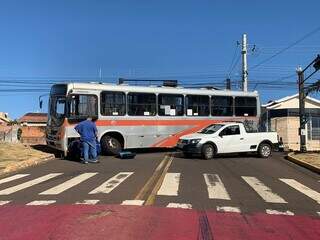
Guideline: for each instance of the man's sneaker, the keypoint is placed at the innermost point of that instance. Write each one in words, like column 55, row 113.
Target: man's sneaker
column 94, row 161
column 84, row 162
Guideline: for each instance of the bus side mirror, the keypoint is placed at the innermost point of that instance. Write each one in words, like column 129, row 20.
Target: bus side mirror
column 40, row 104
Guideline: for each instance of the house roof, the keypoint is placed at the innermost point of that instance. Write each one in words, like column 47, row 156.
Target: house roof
column 4, row 117
column 34, row 118
column 273, row 102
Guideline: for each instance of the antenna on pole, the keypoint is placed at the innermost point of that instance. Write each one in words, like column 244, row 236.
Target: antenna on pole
column 244, row 63
column 100, row 74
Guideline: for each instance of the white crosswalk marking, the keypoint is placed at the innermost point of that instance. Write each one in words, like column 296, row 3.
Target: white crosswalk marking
column 41, row 202
column 112, row 183
column 302, row 188
column 4, row 202
column 68, row 184
column 170, row 185
column 14, row 177
column 133, row 202
column 216, row 189
column 88, row 202
column 228, row 209
column 179, row 205
column 264, row 191
column 276, row 212
column 28, row 184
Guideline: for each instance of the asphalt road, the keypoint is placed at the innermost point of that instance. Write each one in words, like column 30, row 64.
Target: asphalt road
column 245, row 184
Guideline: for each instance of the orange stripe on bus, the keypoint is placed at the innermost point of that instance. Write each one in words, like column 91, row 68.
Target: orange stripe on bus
column 172, row 140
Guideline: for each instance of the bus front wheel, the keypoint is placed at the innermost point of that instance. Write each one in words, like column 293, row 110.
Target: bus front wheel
column 110, row 145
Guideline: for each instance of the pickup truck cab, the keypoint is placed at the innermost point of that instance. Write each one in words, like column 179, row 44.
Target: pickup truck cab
column 227, row 138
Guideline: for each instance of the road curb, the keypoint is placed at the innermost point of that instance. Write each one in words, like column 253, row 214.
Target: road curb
column 25, row 164
column 302, row 163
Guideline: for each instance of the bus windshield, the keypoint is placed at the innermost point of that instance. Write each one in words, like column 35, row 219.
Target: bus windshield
column 211, row 129
column 57, row 109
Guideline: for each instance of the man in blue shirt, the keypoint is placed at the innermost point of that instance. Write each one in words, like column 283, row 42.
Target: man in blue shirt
column 88, row 135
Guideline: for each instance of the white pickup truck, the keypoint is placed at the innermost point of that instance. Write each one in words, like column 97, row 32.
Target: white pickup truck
column 227, row 138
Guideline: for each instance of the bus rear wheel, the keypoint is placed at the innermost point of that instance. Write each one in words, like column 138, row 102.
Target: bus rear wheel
column 110, row 145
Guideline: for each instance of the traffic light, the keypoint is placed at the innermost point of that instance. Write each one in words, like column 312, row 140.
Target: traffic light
column 316, row 64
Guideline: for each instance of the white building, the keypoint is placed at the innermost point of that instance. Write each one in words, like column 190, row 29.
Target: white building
column 282, row 116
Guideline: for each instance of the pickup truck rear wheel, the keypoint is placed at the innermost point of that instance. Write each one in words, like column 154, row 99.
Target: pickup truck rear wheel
column 264, row 150
column 208, row 151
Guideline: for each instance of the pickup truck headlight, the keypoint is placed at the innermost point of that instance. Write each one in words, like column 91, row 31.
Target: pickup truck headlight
column 195, row 141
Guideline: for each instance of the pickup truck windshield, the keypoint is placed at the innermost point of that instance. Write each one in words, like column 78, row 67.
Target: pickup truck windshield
column 211, row 128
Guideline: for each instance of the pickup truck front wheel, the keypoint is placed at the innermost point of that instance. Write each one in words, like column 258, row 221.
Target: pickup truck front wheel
column 208, row 151
column 264, row 150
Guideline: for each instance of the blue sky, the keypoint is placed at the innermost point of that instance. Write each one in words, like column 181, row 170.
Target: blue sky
column 191, row 41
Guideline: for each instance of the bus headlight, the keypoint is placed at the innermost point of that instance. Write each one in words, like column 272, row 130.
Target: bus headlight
column 195, row 141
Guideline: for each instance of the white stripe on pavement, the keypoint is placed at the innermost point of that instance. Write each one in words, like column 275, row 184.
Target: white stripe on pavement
column 179, row 205
column 68, row 184
column 264, row 191
column 170, row 185
column 302, row 188
column 4, row 202
column 28, row 184
column 41, row 202
column 276, row 212
column 88, row 202
column 215, row 187
column 112, row 183
column 14, row 177
column 228, row 209
column 133, row 202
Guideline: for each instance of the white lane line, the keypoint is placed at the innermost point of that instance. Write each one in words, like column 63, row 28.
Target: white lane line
column 112, row 183
column 14, row 177
column 133, row 202
column 276, row 212
column 215, row 187
column 28, row 184
column 4, row 202
column 302, row 188
column 88, row 202
column 41, row 202
column 228, row 209
column 179, row 205
column 264, row 191
column 68, row 184
column 170, row 185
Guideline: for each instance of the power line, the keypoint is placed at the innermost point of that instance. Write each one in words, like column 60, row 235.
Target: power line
column 233, row 58
column 286, row 48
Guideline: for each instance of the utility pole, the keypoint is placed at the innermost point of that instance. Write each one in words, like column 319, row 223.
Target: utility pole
column 303, row 92
column 244, row 64
column 302, row 114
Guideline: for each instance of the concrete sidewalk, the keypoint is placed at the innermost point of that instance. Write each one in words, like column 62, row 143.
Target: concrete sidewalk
column 17, row 156
column 310, row 161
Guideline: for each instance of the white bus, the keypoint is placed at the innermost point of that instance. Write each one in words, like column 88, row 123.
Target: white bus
column 142, row 116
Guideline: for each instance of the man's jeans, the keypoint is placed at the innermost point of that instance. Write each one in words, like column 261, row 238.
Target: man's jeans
column 89, row 149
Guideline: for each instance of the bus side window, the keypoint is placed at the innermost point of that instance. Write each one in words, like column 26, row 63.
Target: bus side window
column 245, row 106
column 197, row 105
column 221, row 106
column 142, row 104
column 170, row 105
column 113, row 103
